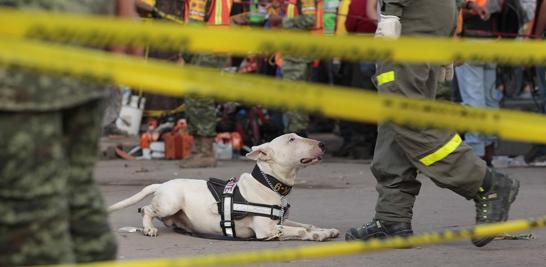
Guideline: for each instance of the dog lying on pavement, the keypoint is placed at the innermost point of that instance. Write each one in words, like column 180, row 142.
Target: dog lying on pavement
column 251, row 206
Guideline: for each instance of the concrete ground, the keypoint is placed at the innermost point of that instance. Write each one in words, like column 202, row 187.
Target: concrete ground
column 338, row 194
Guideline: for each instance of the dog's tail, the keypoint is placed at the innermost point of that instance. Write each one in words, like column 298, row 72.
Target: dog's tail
column 146, row 191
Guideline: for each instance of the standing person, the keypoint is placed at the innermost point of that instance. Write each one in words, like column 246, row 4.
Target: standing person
column 125, row 9
column 539, row 31
column 358, row 138
column 300, row 15
column 51, row 210
column 477, row 81
column 441, row 155
column 201, row 112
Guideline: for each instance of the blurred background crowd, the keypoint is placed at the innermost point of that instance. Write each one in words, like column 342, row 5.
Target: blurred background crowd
column 209, row 122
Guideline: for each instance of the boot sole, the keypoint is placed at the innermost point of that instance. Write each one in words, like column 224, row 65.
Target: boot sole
column 405, row 233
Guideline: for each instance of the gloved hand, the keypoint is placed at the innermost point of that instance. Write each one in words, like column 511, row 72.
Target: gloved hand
column 388, row 26
column 446, row 73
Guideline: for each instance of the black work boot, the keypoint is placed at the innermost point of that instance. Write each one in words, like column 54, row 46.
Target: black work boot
column 380, row 230
column 493, row 205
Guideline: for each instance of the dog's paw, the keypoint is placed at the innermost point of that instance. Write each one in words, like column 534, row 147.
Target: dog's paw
column 320, row 235
column 330, row 233
column 333, row 233
column 150, row 232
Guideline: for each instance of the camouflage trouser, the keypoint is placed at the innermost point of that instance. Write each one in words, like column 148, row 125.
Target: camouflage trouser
column 201, row 112
column 51, row 210
column 295, row 69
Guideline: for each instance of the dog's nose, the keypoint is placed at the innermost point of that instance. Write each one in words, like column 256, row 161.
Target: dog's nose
column 322, row 146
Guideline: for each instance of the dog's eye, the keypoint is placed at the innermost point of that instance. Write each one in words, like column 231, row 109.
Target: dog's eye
column 292, row 139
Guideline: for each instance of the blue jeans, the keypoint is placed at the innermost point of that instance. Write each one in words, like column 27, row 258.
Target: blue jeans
column 477, row 87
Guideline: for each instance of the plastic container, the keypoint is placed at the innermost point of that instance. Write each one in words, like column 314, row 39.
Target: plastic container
column 223, row 151
column 130, row 114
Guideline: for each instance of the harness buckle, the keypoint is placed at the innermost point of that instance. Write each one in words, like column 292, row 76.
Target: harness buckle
column 226, row 223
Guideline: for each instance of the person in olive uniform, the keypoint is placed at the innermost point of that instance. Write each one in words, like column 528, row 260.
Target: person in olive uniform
column 401, row 152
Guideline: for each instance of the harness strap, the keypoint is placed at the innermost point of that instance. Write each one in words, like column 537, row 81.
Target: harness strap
column 232, row 205
column 227, row 224
column 273, row 212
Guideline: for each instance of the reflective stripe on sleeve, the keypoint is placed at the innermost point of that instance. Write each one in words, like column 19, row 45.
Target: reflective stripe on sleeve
column 385, row 77
column 443, row 151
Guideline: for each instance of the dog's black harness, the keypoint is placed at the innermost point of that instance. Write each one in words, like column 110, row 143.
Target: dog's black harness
column 233, row 206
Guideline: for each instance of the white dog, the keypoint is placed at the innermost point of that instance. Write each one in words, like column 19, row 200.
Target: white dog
column 190, row 205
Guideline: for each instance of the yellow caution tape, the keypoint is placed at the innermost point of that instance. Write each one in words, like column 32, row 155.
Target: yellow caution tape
column 102, row 31
column 332, row 249
column 169, row 79
column 161, row 113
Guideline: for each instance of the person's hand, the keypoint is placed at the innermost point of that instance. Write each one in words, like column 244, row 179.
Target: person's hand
column 481, row 11
column 389, row 27
column 446, row 73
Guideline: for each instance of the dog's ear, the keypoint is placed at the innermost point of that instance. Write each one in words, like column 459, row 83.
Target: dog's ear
column 261, row 152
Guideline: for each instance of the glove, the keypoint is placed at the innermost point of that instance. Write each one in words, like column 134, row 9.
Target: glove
column 446, row 73
column 388, row 26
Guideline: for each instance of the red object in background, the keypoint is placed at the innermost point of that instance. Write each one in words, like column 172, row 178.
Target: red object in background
column 187, row 142
column 151, row 124
column 177, row 145
column 181, row 124
column 236, row 141
column 145, row 140
column 170, row 145
column 355, row 21
column 233, row 138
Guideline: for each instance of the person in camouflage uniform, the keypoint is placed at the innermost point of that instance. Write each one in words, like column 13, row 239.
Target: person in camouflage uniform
column 201, row 112
column 296, row 69
column 201, row 115
column 51, row 210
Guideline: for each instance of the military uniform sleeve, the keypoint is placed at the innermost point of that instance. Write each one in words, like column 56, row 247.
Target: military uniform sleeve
column 303, row 22
column 394, row 7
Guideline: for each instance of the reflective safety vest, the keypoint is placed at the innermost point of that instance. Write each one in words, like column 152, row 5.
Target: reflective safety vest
column 308, row 7
column 325, row 16
column 319, row 17
column 218, row 13
column 292, row 9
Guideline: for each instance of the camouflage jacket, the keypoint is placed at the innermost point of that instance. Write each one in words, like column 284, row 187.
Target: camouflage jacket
column 306, row 20
column 25, row 90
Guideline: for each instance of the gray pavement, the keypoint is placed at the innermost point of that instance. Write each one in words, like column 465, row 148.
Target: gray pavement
column 338, row 194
